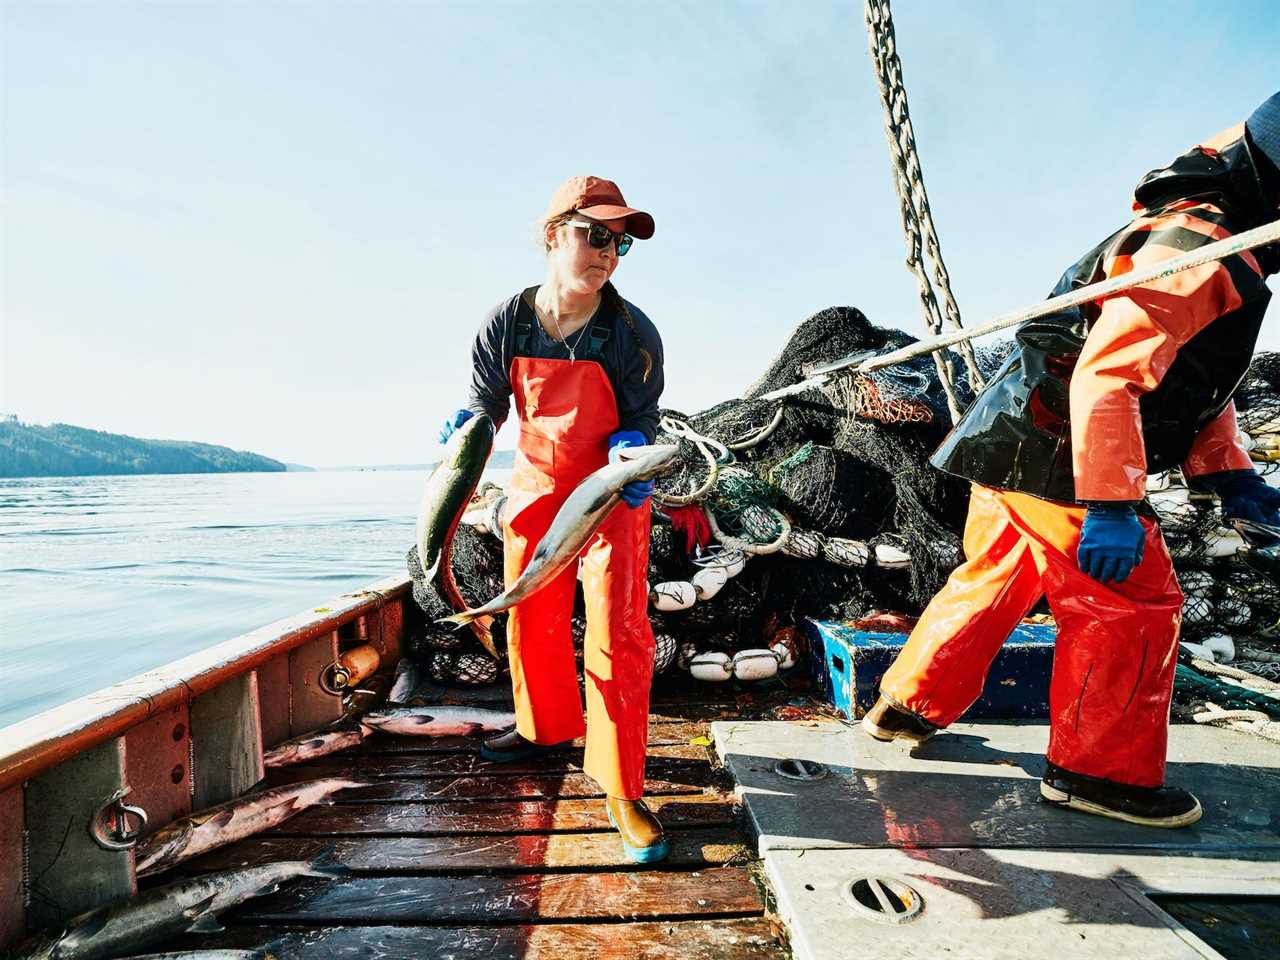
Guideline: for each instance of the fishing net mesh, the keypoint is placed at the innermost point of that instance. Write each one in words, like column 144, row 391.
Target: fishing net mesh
column 849, row 459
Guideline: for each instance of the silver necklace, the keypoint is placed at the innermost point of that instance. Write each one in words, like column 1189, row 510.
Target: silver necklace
column 577, row 343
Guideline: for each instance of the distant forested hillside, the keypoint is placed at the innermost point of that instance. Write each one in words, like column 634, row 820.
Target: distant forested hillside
column 61, row 450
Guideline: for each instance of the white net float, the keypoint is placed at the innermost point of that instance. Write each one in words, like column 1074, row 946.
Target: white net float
column 803, row 544
column 846, row 553
column 1157, row 482
column 1223, row 543
column 728, row 559
column 685, row 655
column 785, row 656
column 664, row 652
column 889, row 557
column 713, row 667
column 1197, row 611
column 708, row 581
column 754, row 664
column 673, row 595
column 1222, row 647
column 1195, row 583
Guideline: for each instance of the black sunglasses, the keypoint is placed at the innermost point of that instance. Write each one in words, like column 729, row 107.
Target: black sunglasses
column 599, row 236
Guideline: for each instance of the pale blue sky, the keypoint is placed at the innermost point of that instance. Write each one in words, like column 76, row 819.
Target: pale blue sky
column 276, row 225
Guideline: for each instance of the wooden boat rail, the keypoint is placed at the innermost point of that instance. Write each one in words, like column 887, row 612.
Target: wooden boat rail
column 182, row 737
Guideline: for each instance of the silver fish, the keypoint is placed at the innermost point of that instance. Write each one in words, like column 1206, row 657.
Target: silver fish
column 408, row 676
column 577, row 519
column 165, row 912
column 234, row 820
column 440, row 721
column 311, row 746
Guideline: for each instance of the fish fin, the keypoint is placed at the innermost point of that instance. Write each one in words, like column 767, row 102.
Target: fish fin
column 423, row 720
column 208, row 923
column 84, row 926
column 219, row 819
column 326, row 864
column 202, row 917
column 365, row 730
column 482, row 627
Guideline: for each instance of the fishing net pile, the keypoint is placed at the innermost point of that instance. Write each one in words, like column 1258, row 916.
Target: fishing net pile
column 823, row 505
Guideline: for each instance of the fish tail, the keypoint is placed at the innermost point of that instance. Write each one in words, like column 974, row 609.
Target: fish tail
column 459, row 619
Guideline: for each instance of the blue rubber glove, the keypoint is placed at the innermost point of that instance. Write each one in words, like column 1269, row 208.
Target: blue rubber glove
column 1245, row 495
column 1111, row 542
column 637, row 491
column 452, row 423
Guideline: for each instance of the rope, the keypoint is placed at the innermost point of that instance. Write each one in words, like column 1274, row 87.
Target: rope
column 749, row 546
column 913, row 200
column 678, row 428
column 1261, row 684
column 1246, row 721
column 746, row 443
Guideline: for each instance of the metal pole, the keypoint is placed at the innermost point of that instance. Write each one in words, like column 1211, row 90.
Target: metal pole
column 1218, row 250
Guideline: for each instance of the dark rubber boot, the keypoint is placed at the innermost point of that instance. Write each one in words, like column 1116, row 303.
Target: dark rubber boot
column 642, row 837
column 1149, row 806
column 509, row 746
column 887, row 721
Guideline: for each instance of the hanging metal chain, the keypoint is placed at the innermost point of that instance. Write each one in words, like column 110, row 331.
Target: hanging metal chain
column 908, row 180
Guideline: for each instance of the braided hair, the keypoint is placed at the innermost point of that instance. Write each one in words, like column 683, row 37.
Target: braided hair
column 609, row 292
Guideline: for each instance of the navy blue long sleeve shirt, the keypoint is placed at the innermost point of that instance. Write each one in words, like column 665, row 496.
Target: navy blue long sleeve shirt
column 637, row 398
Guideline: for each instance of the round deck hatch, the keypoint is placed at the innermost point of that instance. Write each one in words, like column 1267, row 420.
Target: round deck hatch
column 800, row 769
column 882, row 899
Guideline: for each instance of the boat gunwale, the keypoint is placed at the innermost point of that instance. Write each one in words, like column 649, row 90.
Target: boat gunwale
column 38, row 743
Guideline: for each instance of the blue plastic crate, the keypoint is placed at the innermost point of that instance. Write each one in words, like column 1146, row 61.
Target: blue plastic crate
column 847, row 665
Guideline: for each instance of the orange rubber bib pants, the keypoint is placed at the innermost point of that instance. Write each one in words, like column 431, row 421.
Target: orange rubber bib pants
column 1116, row 647
column 567, row 412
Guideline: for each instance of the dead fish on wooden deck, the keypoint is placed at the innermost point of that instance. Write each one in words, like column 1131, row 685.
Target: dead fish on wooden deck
column 311, row 746
column 165, row 912
column 575, row 522
column 440, row 721
column 444, row 500
column 234, row 820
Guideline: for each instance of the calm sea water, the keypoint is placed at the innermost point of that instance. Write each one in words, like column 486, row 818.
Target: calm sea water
column 102, row 578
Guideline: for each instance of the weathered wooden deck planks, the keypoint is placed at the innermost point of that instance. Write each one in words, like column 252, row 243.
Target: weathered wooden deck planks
column 676, row 940
column 455, row 857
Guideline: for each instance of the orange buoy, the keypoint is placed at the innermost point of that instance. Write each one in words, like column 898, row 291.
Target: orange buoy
column 357, row 664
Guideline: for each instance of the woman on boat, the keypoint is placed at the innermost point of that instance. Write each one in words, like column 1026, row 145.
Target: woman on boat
column 1059, row 446
column 585, row 369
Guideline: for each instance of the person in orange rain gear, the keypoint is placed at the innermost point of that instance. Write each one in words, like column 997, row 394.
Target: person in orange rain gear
column 585, row 369
column 1058, row 447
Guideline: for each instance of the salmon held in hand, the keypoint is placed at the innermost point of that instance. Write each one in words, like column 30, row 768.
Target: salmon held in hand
column 575, row 523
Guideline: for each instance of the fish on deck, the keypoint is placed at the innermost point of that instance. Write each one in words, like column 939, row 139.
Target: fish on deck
column 234, row 820
column 440, row 721
column 165, row 912
column 312, row 746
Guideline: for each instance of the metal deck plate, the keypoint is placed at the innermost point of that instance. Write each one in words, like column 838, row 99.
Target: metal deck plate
column 977, row 785
column 1001, row 874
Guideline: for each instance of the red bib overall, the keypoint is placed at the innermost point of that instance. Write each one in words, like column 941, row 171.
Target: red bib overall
column 567, row 411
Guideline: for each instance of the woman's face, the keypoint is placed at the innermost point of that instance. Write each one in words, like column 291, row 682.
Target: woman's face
column 580, row 267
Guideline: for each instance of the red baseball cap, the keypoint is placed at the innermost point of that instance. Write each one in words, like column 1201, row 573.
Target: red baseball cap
column 599, row 200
